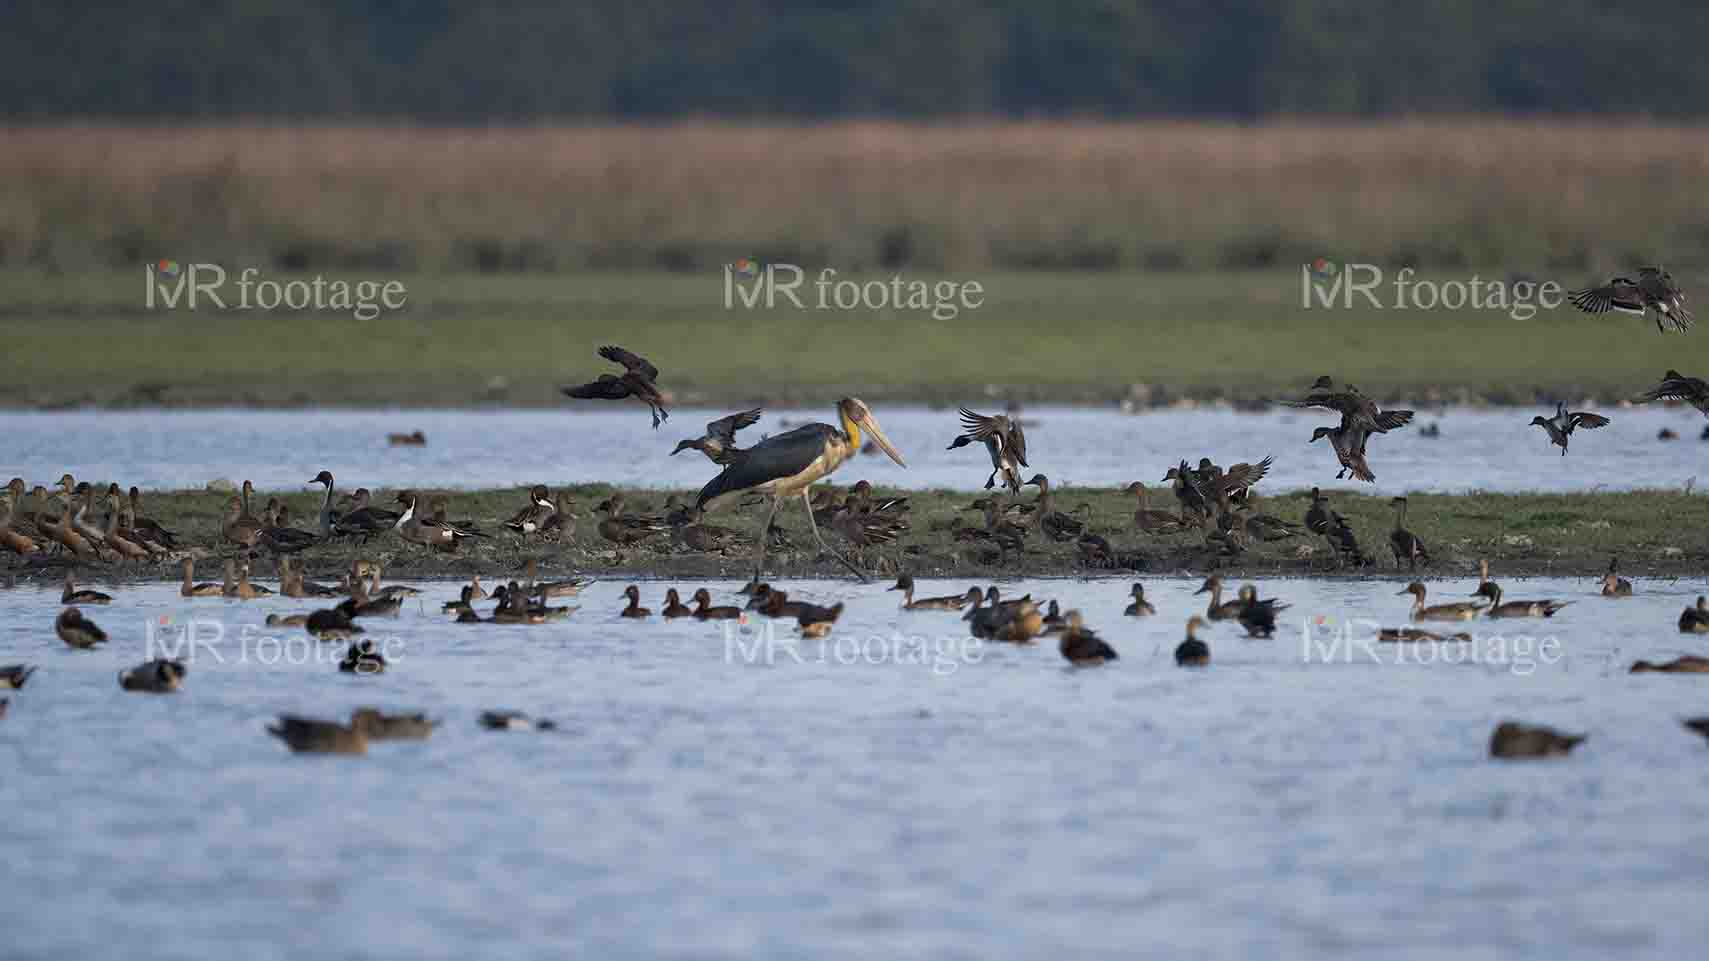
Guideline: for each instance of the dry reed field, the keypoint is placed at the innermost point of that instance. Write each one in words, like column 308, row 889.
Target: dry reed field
column 1520, row 195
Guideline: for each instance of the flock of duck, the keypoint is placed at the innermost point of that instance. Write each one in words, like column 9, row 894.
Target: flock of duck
column 1209, row 497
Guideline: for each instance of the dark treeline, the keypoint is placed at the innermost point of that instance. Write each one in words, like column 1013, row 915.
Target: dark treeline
column 440, row 61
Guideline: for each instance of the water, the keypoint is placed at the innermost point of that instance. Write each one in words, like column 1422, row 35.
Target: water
column 1485, row 449
column 859, row 800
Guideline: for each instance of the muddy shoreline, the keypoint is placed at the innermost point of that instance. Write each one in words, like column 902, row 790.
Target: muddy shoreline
column 1654, row 534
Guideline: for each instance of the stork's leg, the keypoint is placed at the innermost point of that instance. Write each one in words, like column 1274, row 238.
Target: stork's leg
column 765, row 536
column 807, row 504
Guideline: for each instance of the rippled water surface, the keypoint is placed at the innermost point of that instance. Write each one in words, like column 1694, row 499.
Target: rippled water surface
column 891, row 792
column 1488, row 449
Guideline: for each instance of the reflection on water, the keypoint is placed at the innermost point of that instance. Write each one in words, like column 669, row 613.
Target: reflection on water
column 1478, row 449
column 894, row 790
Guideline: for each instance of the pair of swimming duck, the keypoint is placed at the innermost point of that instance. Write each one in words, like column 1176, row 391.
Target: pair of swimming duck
column 1258, row 617
column 1488, row 603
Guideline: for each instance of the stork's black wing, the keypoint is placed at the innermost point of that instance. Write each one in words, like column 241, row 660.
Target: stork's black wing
column 634, row 363
column 607, row 387
column 784, row 455
column 724, row 428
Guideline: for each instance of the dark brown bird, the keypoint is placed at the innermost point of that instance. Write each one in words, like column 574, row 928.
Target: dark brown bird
column 623, row 530
column 1514, row 740
column 638, row 380
column 308, row 736
column 159, row 676
column 1654, row 290
column 76, row 631
column 13, row 676
column 634, row 608
column 1695, row 620
column 391, row 727
column 1677, row 386
column 1056, row 525
column 719, row 441
column 514, row 721
column 71, row 595
column 1403, row 542
column 1150, row 520
column 1193, row 652
column 1356, row 409
column 674, row 607
column 706, row 612
column 1080, row 646
column 1688, row 664
column 816, row 621
column 362, row 658
column 332, row 624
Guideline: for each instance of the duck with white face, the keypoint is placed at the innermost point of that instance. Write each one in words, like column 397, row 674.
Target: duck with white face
column 788, row 464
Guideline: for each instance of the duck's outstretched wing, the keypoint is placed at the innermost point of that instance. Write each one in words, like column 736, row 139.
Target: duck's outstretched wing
column 1618, row 294
column 724, row 428
column 1588, row 420
column 1677, row 386
column 1244, row 475
column 1390, row 419
column 634, row 363
column 607, row 387
column 1336, row 400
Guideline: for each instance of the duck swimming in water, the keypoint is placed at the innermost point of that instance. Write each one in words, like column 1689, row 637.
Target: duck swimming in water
column 1081, row 647
column 1454, row 611
column 1140, row 606
column 1514, row 740
column 1688, row 664
column 71, row 595
column 674, row 607
column 1497, row 608
column 1193, row 652
column 1613, row 585
column 948, row 602
column 1219, row 610
column 706, row 612
column 309, row 736
column 77, row 631
column 159, row 676
column 634, row 609
column 1695, row 620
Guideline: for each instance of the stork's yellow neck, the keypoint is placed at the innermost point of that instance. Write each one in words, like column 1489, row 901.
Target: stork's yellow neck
column 852, row 429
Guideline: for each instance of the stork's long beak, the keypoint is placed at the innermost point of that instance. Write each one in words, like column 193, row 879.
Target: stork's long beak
column 870, row 424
